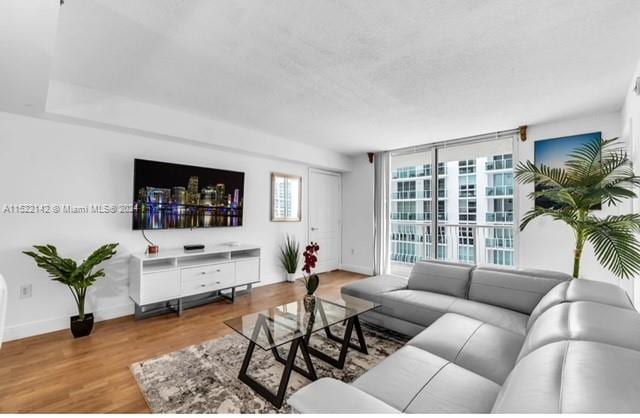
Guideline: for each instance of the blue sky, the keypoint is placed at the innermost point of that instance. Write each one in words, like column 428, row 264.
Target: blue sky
column 555, row 151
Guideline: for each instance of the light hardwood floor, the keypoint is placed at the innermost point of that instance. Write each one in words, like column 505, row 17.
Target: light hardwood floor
column 55, row 373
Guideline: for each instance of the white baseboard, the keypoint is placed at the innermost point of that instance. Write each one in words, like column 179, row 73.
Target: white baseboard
column 357, row 269
column 29, row 329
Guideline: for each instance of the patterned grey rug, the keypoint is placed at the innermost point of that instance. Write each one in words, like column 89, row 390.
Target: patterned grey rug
column 203, row 378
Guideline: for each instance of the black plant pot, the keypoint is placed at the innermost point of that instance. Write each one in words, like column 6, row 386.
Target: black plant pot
column 81, row 328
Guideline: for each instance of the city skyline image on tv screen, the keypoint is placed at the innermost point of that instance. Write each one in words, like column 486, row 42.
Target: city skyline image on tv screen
column 176, row 196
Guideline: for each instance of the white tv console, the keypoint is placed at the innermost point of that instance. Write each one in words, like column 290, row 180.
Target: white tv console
column 176, row 279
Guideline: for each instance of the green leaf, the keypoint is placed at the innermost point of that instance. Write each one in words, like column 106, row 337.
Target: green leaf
column 66, row 271
column 290, row 254
column 615, row 244
column 528, row 172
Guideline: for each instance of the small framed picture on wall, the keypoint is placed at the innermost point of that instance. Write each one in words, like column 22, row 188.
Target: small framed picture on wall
column 286, row 198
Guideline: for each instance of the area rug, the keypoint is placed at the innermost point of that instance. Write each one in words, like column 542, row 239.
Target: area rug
column 203, row 378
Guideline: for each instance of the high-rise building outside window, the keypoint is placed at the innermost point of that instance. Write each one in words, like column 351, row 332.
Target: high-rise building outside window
column 474, row 210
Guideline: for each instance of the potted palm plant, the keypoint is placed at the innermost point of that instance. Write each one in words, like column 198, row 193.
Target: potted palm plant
column 596, row 173
column 78, row 277
column 290, row 257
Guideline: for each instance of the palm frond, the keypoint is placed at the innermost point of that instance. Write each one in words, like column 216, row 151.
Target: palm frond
column 618, row 171
column 614, row 195
column 615, row 243
column 528, row 172
column 567, row 215
column 583, row 162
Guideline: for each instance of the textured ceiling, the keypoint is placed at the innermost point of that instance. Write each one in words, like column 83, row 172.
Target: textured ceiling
column 356, row 75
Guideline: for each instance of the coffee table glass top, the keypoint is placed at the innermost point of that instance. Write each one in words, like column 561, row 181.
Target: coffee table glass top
column 284, row 323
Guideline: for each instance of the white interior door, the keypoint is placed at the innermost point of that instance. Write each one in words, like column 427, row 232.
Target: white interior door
column 325, row 217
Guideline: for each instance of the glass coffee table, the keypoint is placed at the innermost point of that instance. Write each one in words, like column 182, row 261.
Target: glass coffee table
column 292, row 323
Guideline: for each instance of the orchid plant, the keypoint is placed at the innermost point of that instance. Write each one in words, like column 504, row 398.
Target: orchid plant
column 311, row 281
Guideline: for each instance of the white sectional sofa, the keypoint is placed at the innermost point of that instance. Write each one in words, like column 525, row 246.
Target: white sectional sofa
column 493, row 340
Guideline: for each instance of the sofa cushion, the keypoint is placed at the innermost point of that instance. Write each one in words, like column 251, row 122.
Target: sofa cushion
column 414, row 380
column 519, row 290
column 371, row 288
column 423, row 308
column 480, row 347
column 573, row 377
column 500, row 317
column 455, row 390
column 440, row 277
column 345, row 399
column 587, row 321
column 582, row 290
column 416, row 306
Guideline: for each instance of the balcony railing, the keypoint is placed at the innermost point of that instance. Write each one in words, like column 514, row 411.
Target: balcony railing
column 499, row 165
column 412, row 194
column 417, row 195
column 474, row 244
column 499, row 191
column 499, row 242
column 504, row 217
column 411, row 216
column 424, row 171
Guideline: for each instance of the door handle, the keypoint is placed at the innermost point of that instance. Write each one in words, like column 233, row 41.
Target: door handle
column 314, row 229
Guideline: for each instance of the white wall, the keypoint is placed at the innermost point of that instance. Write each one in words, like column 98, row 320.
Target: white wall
column 357, row 216
column 631, row 132
column 44, row 161
column 28, row 33
column 548, row 244
column 97, row 108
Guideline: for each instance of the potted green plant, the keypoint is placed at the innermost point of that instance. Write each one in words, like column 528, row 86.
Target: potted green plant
column 311, row 280
column 290, row 257
column 78, row 277
column 596, row 173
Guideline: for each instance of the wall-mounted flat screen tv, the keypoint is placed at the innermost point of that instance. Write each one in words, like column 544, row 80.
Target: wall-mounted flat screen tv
column 175, row 196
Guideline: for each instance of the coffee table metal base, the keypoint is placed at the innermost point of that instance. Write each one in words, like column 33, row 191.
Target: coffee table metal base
column 302, row 343
column 345, row 341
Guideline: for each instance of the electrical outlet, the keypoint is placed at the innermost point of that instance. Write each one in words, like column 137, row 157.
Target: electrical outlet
column 25, row 291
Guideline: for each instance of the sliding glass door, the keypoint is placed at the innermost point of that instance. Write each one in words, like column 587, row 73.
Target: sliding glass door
column 468, row 201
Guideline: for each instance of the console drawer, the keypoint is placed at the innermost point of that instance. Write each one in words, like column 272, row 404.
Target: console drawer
column 219, row 271
column 207, row 278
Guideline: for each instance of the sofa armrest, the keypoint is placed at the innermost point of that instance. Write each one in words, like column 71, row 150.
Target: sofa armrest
column 331, row 396
column 372, row 288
